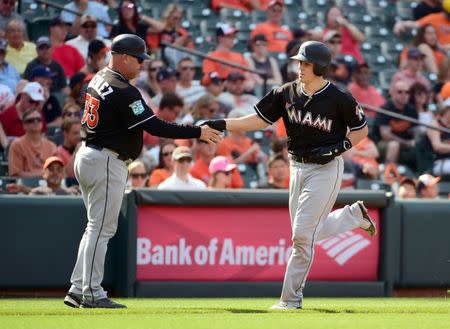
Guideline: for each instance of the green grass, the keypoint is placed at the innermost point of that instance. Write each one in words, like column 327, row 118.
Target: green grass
column 232, row 313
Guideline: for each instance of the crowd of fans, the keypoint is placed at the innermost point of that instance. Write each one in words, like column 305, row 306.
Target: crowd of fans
column 42, row 84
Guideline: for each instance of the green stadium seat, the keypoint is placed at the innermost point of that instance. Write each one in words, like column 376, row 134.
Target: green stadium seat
column 4, row 180
column 248, row 175
column 31, row 181
column 371, row 184
column 38, row 27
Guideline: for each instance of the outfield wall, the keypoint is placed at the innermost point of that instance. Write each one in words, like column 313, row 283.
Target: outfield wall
column 223, row 243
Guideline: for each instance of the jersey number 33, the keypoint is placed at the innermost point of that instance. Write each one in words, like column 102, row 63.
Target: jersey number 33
column 90, row 115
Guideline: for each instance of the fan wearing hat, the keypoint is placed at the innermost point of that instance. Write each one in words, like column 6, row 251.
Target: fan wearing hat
column 8, row 73
column 407, row 188
column 44, row 57
column 226, row 35
column 235, row 97
column 262, row 61
column 272, row 28
column 67, row 56
column 88, row 32
column 87, row 7
column 181, row 179
column 98, row 57
column 167, row 81
column 428, row 187
column 411, row 73
column 221, row 170
column 31, row 97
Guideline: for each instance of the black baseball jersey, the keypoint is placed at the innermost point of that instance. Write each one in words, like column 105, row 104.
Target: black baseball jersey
column 322, row 119
column 112, row 109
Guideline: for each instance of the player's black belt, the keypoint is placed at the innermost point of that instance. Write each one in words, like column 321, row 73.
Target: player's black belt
column 301, row 159
column 100, row 148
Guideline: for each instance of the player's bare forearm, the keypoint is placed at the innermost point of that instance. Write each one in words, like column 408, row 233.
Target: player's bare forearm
column 355, row 136
column 247, row 123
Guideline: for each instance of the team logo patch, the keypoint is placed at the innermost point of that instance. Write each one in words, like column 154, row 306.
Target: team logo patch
column 137, row 107
column 359, row 112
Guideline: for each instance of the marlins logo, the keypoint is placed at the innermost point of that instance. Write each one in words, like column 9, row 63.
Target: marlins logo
column 137, row 107
column 359, row 112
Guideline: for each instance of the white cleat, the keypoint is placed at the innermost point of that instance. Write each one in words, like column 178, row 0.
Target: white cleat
column 286, row 306
column 372, row 228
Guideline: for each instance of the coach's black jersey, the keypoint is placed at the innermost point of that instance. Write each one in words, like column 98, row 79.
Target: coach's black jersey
column 322, row 119
column 112, row 109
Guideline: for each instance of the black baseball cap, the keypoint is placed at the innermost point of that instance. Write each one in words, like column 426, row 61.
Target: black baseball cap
column 96, row 46
column 57, row 21
column 43, row 41
column 225, row 29
column 42, row 71
column 165, row 73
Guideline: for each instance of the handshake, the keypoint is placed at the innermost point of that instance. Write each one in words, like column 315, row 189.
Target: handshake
column 219, row 125
column 211, row 130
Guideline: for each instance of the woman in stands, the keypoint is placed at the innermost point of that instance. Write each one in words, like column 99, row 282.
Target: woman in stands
column 165, row 166
column 419, row 97
column 205, row 108
column 131, row 22
column 221, row 170
column 426, row 40
column 440, row 142
column 350, row 34
column 260, row 60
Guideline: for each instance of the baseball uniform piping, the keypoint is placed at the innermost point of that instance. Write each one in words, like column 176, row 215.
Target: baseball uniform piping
column 101, row 227
column 262, row 116
column 136, row 124
column 315, row 229
column 359, row 127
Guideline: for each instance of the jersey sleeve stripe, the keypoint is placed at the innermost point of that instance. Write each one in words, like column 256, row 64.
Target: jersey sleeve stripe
column 359, row 127
column 137, row 124
column 262, row 116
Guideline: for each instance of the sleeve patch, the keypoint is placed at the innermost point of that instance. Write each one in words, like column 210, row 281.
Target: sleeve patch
column 137, row 107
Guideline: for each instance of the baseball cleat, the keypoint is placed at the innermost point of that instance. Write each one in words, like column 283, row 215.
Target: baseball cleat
column 100, row 303
column 372, row 228
column 72, row 300
column 286, row 306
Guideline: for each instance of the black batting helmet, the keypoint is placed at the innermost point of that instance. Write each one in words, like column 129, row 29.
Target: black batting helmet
column 317, row 53
column 130, row 44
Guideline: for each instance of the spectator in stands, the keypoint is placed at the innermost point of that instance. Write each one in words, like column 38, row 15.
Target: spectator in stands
column 440, row 21
column 238, row 146
column 426, row 41
column 205, row 108
column 88, row 32
column 76, row 94
column 137, row 174
column 221, row 170
column 164, row 169
column 44, row 57
column 260, row 60
column 277, row 169
column 4, row 142
column 170, row 30
column 363, row 91
column 235, row 96
column 289, row 71
column 419, row 99
column 53, row 174
column 51, row 109
column 407, row 189
column 71, row 141
column 440, row 141
column 362, row 159
column 27, row 154
column 204, row 153
column 7, row 14
column 86, row 7
column 244, row 5
column 426, row 7
column 167, row 81
column 8, row 73
column 276, row 35
column 181, row 179
column 148, row 82
column 215, row 86
column 19, row 52
column 12, row 117
column 342, row 65
column 226, row 35
column 67, row 56
column 428, row 187
column 397, row 135
column 350, row 34
column 411, row 73
column 6, row 97
column 130, row 21
column 98, row 57
column 188, row 88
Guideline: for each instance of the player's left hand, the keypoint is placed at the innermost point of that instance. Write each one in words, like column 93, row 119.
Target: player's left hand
column 325, row 154
column 210, row 135
column 220, row 124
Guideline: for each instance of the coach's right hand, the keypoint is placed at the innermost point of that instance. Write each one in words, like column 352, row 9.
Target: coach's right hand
column 210, row 135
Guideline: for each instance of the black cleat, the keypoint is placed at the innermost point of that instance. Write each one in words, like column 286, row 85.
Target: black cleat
column 100, row 303
column 72, row 300
column 372, row 229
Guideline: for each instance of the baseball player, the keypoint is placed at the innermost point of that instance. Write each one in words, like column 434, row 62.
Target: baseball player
column 113, row 121
column 317, row 116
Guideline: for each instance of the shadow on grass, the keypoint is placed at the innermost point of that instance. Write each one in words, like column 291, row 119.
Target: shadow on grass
column 332, row 311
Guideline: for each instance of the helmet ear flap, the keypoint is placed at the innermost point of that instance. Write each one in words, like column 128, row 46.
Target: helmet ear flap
column 320, row 70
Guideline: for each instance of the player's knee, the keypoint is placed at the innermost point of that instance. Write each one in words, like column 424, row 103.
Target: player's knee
column 301, row 239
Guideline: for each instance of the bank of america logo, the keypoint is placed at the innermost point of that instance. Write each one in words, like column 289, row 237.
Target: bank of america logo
column 344, row 246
